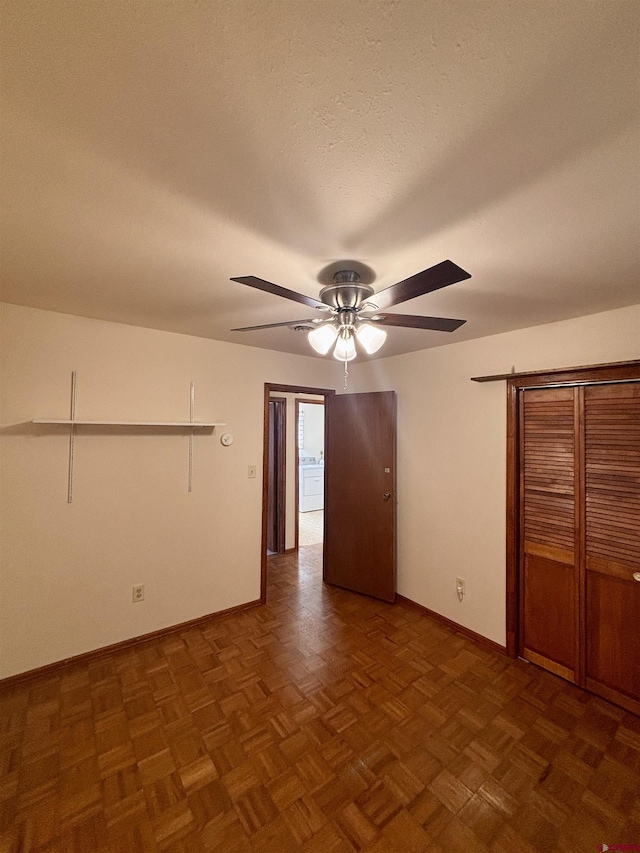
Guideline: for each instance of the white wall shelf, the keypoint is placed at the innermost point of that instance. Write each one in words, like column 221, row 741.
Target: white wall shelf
column 191, row 425
column 77, row 422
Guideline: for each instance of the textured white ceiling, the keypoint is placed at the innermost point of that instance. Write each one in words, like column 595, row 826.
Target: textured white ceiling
column 151, row 150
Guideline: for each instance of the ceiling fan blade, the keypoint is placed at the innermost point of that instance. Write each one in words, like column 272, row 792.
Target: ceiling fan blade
column 442, row 275
column 313, row 320
column 268, row 287
column 436, row 324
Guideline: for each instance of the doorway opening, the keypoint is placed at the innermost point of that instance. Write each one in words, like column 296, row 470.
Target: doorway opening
column 281, row 487
column 359, row 541
column 309, row 415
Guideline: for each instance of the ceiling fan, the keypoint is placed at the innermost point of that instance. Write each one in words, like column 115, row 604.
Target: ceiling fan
column 356, row 312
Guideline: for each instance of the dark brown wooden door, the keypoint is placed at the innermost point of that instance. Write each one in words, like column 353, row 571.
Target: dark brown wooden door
column 548, row 559
column 612, row 514
column 360, row 504
column 276, row 476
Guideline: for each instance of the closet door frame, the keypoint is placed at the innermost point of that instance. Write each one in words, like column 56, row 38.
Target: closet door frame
column 516, row 384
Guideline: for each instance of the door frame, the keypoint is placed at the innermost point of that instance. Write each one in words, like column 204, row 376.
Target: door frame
column 298, row 401
column 516, row 384
column 279, row 413
column 277, row 387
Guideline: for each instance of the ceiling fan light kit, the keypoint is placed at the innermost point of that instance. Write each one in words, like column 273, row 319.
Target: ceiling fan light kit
column 342, row 332
column 371, row 337
column 355, row 309
column 345, row 349
column 323, row 337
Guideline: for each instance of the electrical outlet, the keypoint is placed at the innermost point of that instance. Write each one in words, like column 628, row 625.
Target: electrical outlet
column 138, row 592
column 461, row 588
column 251, row 472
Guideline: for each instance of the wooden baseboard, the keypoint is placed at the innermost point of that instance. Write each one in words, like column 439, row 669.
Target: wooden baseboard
column 53, row 668
column 466, row 632
column 293, row 550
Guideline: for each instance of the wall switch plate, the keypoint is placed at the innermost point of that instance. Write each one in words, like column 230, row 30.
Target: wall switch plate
column 461, row 588
column 251, row 472
column 138, row 592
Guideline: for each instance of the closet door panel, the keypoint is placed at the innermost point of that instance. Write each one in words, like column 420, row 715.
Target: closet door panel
column 612, row 512
column 548, row 548
column 549, row 612
column 613, row 654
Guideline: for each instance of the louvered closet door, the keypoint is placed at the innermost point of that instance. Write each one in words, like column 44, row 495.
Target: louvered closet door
column 549, row 577
column 612, row 492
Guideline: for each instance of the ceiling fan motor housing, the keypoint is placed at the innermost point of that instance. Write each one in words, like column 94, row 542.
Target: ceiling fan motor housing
column 347, row 293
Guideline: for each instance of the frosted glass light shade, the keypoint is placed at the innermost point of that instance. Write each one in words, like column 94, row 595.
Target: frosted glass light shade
column 345, row 348
column 322, row 338
column 371, row 337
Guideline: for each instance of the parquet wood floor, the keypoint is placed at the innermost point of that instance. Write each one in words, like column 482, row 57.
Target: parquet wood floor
column 322, row 722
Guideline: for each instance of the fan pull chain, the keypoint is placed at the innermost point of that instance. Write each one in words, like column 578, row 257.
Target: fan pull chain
column 346, row 375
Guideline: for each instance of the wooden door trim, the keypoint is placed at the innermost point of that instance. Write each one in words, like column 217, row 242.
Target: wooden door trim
column 605, row 373
column 513, row 521
column 580, row 525
column 276, row 387
column 519, row 497
column 560, row 374
column 297, row 477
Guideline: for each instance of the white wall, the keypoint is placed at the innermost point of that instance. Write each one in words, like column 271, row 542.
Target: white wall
column 66, row 570
column 452, row 454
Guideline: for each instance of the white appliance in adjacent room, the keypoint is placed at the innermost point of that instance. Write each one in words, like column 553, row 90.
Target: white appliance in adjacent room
column 310, row 484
